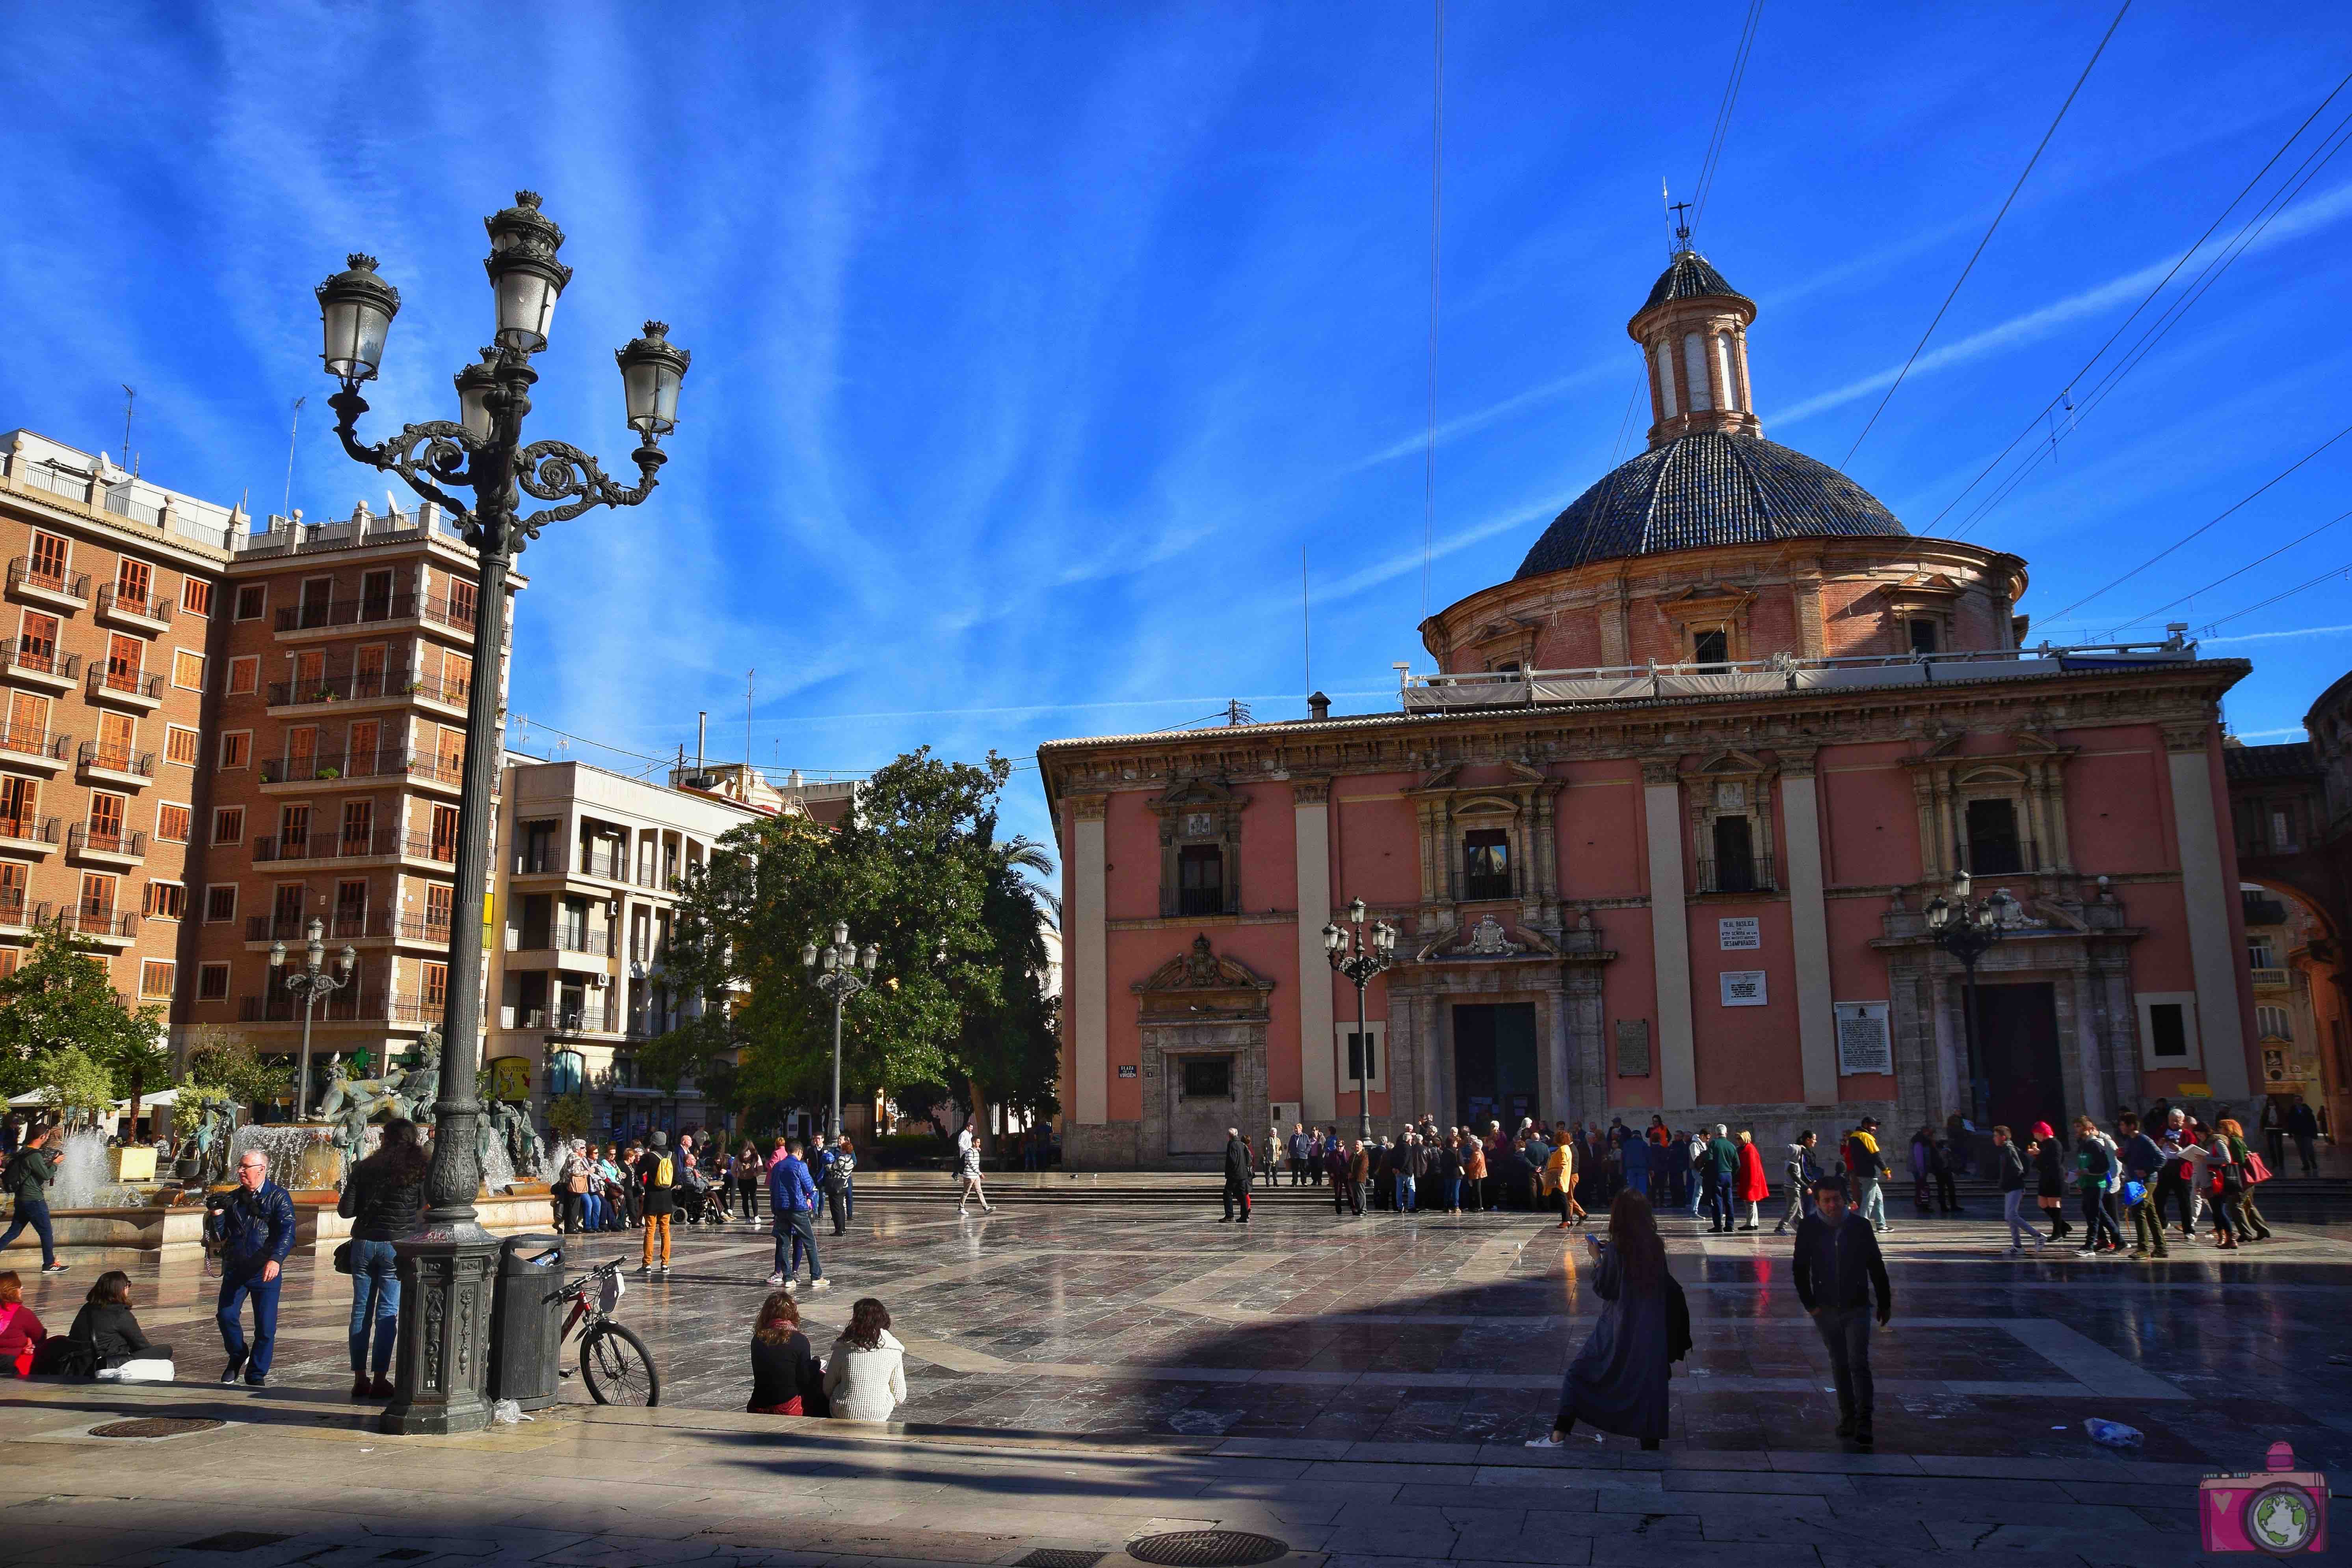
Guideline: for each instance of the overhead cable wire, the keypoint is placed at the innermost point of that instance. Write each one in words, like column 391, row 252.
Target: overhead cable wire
column 2203, row 527
column 2327, row 576
column 2034, row 423
column 1723, row 110
column 1990, row 230
column 1436, row 211
column 2314, row 163
column 2232, row 576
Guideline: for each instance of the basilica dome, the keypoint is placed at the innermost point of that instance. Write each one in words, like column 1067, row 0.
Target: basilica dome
column 1712, row 487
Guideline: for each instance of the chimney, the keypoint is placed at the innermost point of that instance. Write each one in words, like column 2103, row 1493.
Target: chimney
column 1319, row 707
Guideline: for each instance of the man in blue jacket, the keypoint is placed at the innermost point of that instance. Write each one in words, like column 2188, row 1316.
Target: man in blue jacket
column 255, row 1227
column 792, row 1197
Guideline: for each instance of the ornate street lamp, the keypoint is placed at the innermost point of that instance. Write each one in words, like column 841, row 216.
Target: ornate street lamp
column 446, row 1269
column 1359, row 960
column 310, row 983
column 841, row 970
column 1967, row 930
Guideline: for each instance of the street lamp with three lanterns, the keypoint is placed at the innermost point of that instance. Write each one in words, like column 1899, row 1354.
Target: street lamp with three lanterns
column 840, row 969
column 446, row 1270
column 310, row 983
column 1358, row 959
column 1967, row 928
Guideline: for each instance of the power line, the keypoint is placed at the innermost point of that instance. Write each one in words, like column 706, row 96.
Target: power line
column 2327, row 576
column 2201, row 527
column 2219, row 218
column 1989, row 233
column 1723, row 110
column 2202, row 284
column 1436, row 211
column 2240, row 572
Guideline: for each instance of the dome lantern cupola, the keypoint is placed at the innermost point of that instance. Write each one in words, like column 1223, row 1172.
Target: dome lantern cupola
column 1693, row 330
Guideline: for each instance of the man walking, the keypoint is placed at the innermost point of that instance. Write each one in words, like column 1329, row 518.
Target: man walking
column 2302, row 1126
column 1299, row 1154
column 1722, row 1164
column 2142, row 1161
column 255, row 1227
column 1344, row 1193
column 32, row 1171
column 1868, row 1168
column 1237, row 1176
column 655, row 1173
column 1802, row 1174
column 1838, row 1271
column 2012, row 1191
column 791, row 1204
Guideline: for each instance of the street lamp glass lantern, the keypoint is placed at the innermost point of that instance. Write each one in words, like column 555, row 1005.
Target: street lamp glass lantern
column 873, row 955
column 830, row 959
column 350, row 957
column 1960, row 889
column 525, row 277
column 651, row 370
column 808, row 955
column 1938, row 912
column 276, row 955
column 475, row 385
column 841, row 933
column 1334, row 939
column 1356, row 911
column 356, row 308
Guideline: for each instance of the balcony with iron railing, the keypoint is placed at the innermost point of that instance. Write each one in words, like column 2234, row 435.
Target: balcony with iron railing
column 28, row 742
column 592, row 942
column 22, row 830
column 124, row 843
column 328, row 845
column 146, row 612
column 603, row 1020
column 16, row 913
column 99, row 921
column 344, row 925
column 545, row 859
column 68, row 590
column 130, row 687
column 119, row 763
column 45, row 666
column 366, row 686
column 320, row 614
column 1738, row 874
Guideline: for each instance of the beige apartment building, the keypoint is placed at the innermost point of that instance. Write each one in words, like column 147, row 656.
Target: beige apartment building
column 217, row 733
column 586, row 902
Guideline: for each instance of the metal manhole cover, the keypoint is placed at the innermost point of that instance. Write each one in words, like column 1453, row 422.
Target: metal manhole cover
column 235, row 1540
column 156, row 1426
column 1207, row 1549
column 1059, row 1557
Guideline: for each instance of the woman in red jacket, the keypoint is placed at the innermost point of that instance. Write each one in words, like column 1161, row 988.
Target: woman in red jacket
column 1753, row 1188
column 20, row 1332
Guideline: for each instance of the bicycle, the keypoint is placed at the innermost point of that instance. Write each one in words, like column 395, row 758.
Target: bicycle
column 613, row 1362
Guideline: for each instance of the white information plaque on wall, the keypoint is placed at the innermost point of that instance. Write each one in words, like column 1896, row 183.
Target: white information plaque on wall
column 1864, row 1045
column 1742, row 987
column 1737, row 932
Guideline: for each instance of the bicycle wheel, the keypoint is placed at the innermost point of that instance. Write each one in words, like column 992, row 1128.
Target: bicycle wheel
column 618, row 1367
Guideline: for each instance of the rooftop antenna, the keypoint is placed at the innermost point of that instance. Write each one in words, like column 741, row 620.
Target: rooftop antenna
column 129, row 396
column 701, row 734
column 746, row 723
column 1681, row 224
column 1436, row 232
column 291, row 432
column 1306, row 621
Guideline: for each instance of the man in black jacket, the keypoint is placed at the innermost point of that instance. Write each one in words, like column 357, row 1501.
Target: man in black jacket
column 1838, row 1272
column 1237, row 1175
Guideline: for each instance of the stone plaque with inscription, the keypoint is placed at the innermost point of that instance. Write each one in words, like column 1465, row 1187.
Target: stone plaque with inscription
column 1633, row 1047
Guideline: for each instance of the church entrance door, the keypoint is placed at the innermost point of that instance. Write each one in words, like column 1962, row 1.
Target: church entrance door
column 2017, row 1041
column 1495, row 1063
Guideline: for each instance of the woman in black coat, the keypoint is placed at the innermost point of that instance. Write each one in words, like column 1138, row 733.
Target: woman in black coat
column 2050, row 1178
column 785, row 1377
column 383, row 1197
column 107, row 1325
column 1618, row 1381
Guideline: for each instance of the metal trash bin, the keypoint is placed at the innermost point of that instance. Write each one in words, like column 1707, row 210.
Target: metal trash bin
column 526, row 1328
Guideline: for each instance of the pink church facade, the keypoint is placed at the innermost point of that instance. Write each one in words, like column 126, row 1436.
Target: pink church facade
column 1659, row 835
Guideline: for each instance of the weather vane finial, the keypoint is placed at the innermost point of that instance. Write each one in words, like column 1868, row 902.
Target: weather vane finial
column 1681, row 224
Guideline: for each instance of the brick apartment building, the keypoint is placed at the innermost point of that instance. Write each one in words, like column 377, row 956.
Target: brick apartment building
column 215, row 734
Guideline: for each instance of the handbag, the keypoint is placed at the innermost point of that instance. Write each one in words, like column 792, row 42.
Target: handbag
column 344, row 1259
column 2257, row 1171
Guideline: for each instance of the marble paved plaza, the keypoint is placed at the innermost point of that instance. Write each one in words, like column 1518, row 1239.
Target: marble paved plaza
column 1357, row 1388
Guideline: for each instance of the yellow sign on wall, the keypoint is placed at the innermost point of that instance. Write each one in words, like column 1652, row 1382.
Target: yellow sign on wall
column 510, row 1079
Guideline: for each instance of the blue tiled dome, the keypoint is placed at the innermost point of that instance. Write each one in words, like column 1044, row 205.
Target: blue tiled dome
column 1707, row 488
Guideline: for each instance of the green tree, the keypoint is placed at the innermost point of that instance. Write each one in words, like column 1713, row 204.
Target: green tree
column 219, row 1059
column 60, row 999
column 568, row 1115
column 916, row 870
column 75, row 1086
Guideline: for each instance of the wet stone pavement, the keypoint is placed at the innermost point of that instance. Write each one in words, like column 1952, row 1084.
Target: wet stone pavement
column 1430, row 1330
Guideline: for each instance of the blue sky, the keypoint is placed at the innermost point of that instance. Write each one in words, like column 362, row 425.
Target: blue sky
column 1034, row 344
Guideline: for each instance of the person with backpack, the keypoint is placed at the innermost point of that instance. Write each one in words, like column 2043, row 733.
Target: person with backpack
column 2142, row 1161
column 2096, row 1173
column 1866, row 1168
column 838, row 1166
column 656, row 1172
column 32, row 1171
